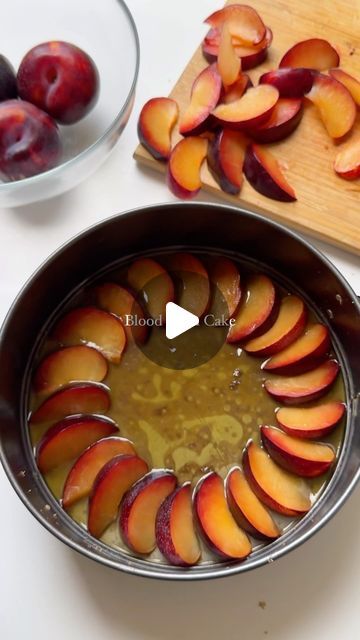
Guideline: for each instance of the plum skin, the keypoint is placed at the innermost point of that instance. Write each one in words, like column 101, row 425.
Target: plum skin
column 29, row 140
column 59, row 78
column 8, row 85
column 261, row 180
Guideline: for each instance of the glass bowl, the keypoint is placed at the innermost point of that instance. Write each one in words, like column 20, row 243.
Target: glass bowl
column 108, row 34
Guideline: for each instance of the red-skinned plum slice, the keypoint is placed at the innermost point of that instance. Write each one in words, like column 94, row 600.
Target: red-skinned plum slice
column 111, row 483
column 263, row 172
column 68, row 438
column 81, row 476
column 70, row 364
column 94, row 327
column 75, row 399
column 175, row 530
column 276, row 488
column 304, row 387
column 156, row 122
column 139, row 509
column 307, row 459
column 218, row 526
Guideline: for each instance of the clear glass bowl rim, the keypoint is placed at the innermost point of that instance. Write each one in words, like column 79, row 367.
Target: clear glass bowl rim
column 7, row 187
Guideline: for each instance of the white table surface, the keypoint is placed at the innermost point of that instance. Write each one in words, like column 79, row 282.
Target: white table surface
column 49, row 591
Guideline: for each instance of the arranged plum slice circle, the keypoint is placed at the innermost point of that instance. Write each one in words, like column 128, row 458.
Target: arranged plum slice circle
column 175, row 531
column 153, row 284
column 74, row 399
column 307, row 459
column 255, row 308
column 304, row 387
column 140, row 506
column 96, row 328
column 156, row 122
column 303, row 354
column 247, row 509
column 67, row 439
column 70, row 364
column 279, row 490
column 152, row 509
column 217, row 525
column 311, row 422
column 110, row 485
column 288, row 326
column 81, row 476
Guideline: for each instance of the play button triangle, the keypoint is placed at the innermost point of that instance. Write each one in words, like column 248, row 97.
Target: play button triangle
column 178, row 320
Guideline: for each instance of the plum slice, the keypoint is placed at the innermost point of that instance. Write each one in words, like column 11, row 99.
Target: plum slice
column 255, row 308
column 288, row 326
column 111, row 483
column 251, row 56
column 251, row 110
column 183, row 175
column 70, row 364
column 193, row 286
column 276, row 488
column 148, row 278
column 314, row 53
column 284, row 119
column 226, row 153
column 205, row 94
column 244, row 23
column 291, row 82
column 302, row 354
column 248, row 511
column 262, row 170
column 351, row 83
column 225, row 277
column 77, row 398
column 68, row 438
column 156, row 122
column 139, row 509
column 175, row 531
column 304, row 387
column 347, row 161
column 307, row 459
column 81, row 476
column 228, row 63
column 335, row 104
column 236, row 90
column 95, row 327
column 311, row 422
column 217, row 525
column 119, row 301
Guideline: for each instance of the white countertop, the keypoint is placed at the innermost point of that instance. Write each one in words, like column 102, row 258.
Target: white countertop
column 49, row 591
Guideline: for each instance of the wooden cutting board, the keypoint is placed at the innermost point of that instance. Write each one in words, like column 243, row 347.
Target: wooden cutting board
column 327, row 206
